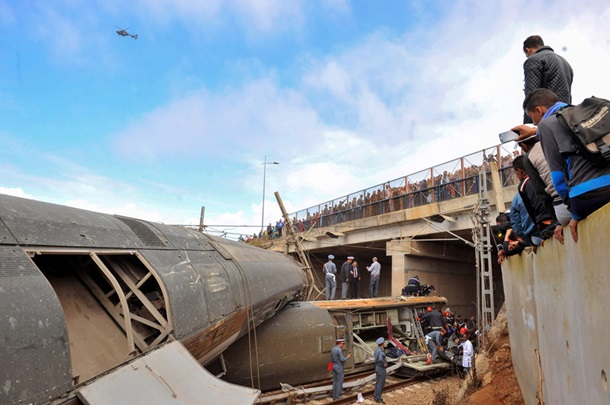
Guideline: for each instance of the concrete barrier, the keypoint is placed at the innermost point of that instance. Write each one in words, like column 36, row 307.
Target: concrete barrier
column 557, row 303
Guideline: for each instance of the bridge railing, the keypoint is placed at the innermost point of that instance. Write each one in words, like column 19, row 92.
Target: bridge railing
column 454, row 179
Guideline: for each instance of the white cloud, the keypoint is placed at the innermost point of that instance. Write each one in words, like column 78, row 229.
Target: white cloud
column 14, row 191
column 244, row 121
column 385, row 108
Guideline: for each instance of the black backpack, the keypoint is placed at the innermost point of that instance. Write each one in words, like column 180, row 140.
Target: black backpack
column 589, row 122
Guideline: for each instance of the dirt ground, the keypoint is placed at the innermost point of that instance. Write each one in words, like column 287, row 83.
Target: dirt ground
column 494, row 376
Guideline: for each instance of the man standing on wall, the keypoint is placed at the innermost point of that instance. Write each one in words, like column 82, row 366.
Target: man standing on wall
column 545, row 69
column 375, row 270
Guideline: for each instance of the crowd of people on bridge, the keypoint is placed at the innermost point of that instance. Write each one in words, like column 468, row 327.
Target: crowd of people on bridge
column 389, row 198
column 559, row 184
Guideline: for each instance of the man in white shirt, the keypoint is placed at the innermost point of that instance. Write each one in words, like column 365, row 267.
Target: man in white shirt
column 375, row 270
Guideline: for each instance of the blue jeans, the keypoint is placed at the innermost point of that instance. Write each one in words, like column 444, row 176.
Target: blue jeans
column 374, row 286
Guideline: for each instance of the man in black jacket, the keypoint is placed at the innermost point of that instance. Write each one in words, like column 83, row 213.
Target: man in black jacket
column 545, row 69
column 344, row 276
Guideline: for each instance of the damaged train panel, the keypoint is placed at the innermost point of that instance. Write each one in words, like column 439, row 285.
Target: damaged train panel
column 298, row 340
column 84, row 292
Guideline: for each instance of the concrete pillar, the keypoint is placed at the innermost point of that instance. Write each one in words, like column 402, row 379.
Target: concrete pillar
column 450, row 268
column 399, row 264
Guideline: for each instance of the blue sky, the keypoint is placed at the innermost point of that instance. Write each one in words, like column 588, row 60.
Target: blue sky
column 344, row 94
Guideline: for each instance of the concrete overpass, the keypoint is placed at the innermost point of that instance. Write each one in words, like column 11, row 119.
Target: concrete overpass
column 433, row 240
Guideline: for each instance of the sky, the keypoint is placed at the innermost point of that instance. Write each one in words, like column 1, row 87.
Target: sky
column 343, row 94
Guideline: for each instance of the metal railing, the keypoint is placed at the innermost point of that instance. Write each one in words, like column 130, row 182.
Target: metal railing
column 454, row 179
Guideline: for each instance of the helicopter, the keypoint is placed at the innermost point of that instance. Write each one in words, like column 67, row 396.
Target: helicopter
column 123, row 32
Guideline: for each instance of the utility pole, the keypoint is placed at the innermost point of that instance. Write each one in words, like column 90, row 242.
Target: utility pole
column 265, row 163
column 201, row 226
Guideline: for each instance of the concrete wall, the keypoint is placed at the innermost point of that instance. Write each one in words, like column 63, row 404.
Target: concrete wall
column 450, row 268
column 557, row 303
column 452, row 280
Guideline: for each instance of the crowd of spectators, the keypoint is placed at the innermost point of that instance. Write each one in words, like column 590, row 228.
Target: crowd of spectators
column 404, row 193
column 398, row 195
column 271, row 232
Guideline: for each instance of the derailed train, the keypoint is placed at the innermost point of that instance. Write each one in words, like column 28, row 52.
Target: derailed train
column 298, row 340
column 87, row 300
column 82, row 293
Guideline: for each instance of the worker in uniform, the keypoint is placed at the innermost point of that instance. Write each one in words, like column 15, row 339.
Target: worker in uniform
column 331, row 283
column 381, row 363
column 412, row 287
column 337, row 358
column 434, row 343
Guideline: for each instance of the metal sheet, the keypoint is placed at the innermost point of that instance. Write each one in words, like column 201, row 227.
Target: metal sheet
column 5, row 236
column 182, row 238
column 34, row 354
column 43, row 224
column 168, row 375
column 293, row 348
column 186, row 293
column 259, row 266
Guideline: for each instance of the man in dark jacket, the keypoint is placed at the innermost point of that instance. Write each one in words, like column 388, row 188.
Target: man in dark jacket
column 353, row 277
column 412, row 288
column 545, row 69
column 344, row 276
column 434, row 319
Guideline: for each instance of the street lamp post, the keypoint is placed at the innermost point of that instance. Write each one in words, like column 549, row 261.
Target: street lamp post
column 265, row 163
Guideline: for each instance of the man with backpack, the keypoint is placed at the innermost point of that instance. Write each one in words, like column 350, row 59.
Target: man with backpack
column 586, row 184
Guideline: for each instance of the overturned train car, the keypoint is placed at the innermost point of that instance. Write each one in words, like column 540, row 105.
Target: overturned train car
column 294, row 346
column 83, row 292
